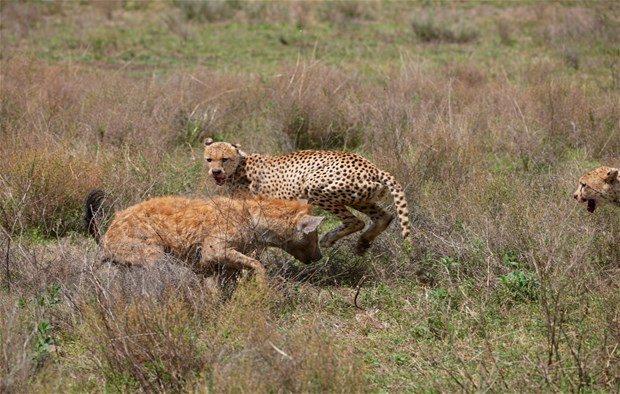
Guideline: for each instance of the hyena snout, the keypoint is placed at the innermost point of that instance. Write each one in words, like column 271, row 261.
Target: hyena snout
column 305, row 247
column 306, row 255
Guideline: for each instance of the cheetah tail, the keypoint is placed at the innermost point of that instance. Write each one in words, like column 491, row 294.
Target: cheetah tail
column 94, row 213
column 400, row 202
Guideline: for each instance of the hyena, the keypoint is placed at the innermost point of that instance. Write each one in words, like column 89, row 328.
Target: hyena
column 205, row 232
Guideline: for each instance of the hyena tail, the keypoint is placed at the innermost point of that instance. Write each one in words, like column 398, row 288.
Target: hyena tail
column 400, row 202
column 94, row 213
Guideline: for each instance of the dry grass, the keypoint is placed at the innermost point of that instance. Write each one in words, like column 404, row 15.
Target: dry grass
column 520, row 285
column 157, row 329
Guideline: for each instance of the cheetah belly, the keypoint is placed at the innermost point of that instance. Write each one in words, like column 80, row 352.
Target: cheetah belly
column 348, row 190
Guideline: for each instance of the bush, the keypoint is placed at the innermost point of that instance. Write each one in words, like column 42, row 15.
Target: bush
column 44, row 189
column 208, row 10
column 428, row 29
column 312, row 108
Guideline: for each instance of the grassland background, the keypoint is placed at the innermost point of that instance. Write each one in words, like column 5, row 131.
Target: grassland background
column 486, row 112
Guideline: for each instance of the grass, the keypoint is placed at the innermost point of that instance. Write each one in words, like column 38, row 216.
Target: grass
column 487, row 114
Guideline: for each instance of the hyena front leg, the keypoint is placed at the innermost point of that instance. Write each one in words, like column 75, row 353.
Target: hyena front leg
column 213, row 254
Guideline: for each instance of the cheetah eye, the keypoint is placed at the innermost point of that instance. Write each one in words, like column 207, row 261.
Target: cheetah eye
column 224, row 159
column 209, row 160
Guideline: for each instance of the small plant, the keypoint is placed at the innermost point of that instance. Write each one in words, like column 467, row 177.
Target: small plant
column 44, row 340
column 521, row 286
column 437, row 326
column 309, row 129
column 51, row 296
column 439, row 294
column 192, row 127
column 400, row 358
column 511, row 259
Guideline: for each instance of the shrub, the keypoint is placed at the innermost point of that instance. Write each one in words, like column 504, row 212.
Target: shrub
column 505, row 32
column 428, row 29
column 208, row 10
column 44, row 188
column 312, row 108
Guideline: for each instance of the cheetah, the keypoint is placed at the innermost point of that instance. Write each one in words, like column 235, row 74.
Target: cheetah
column 332, row 180
column 205, row 232
column 599, row 186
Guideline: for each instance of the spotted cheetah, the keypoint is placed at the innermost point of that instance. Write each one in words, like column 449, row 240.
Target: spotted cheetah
column 599, row 186
column 331, row 180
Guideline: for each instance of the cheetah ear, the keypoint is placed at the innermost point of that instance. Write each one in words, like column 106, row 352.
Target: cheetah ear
column 239, row 151
column 611, row 176
column 309, row 224
column 208, row 141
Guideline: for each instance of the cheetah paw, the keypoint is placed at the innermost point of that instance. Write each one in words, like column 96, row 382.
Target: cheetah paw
column 361, row 247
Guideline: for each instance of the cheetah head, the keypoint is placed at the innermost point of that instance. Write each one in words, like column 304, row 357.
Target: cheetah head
column 222, row 159
column 599, row 186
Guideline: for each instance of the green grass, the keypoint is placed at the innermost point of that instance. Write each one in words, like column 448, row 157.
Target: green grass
column 371, row 47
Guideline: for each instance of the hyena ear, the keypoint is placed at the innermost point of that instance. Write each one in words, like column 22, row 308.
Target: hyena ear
column 309, row 224
column 208, row 141
column 611, row 176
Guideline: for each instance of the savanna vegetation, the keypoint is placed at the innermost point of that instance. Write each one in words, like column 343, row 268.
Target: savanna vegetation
column 486, row 112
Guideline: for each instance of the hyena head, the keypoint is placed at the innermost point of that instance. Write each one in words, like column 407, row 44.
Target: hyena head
column 290, row 226
column 304, row 242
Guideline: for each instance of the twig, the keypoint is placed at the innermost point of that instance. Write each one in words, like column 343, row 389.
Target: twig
column 357, row 292
column 279, row 350
column 7, row 263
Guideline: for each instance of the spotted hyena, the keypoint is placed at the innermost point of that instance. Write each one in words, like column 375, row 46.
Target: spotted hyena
column 205, row 232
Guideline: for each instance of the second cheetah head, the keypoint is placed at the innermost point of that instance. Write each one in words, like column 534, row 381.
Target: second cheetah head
column 222, row 159
column 599, row 186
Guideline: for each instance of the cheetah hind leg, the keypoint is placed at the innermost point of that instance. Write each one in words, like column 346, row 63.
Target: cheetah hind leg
column 350, row 225
column 380, row 221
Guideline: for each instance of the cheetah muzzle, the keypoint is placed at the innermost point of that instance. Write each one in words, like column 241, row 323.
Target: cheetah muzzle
column 599, row 187
column 219, row 179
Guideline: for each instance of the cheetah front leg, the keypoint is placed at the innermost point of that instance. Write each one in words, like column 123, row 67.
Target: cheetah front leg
column 350, row 224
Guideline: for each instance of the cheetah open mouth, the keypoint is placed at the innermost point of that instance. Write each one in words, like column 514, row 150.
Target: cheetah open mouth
column 591, row 206
column 219, row 179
